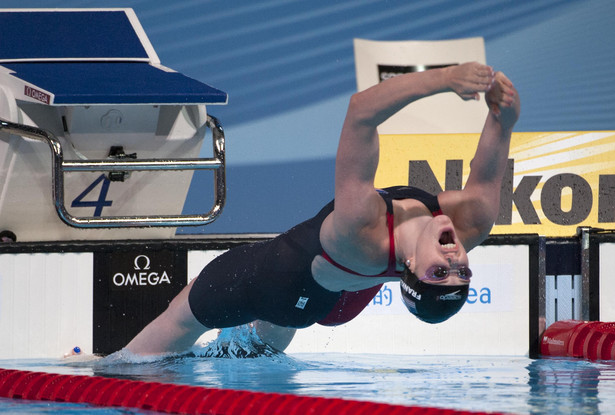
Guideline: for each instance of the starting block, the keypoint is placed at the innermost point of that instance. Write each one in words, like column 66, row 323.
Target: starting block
column 87, row 115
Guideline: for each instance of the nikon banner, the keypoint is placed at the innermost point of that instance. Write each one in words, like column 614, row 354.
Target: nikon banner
column 555, row 182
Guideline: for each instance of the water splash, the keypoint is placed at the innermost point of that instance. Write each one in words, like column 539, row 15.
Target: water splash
column 236, row 343
column 125, row 356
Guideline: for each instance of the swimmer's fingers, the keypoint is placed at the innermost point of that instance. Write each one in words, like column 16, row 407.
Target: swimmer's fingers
column 468, row 79
column 502, row 94
column 503, row 97
column 508, row 91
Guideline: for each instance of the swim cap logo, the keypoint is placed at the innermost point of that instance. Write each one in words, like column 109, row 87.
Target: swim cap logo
column 141, row 275
column 450, row 296
column 410, row 291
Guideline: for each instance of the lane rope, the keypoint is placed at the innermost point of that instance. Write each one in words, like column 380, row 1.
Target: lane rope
column 185, row 399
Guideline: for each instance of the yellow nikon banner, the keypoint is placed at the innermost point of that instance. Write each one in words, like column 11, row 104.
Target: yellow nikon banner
column 555, row 181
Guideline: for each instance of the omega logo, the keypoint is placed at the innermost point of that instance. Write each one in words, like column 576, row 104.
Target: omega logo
column 145, row 258
column 141, row 275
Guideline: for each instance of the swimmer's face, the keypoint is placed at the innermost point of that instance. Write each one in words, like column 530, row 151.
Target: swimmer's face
column 439, row 246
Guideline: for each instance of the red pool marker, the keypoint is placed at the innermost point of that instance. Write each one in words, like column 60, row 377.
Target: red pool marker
column 593, row 340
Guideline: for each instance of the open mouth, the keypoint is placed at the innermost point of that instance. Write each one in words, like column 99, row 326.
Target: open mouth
column 447, row 240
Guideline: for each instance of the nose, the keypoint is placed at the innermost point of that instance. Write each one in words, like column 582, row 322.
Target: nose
column 456, row 258
column 455, row 265
column 453, row 259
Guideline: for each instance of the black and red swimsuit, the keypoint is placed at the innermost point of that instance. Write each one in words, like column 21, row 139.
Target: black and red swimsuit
column 272, row 280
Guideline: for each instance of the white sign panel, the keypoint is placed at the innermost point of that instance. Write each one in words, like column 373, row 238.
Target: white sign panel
column 607, row 281
column 376, row 61
column 46, row 304
column 494, row 321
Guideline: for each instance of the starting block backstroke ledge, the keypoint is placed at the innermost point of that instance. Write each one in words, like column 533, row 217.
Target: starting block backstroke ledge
column 89, row 85
column 60, row 166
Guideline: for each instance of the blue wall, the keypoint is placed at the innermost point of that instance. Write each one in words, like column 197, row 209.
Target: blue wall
column 289, row 70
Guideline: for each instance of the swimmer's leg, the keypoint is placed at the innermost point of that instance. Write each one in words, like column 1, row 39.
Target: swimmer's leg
column 173, row 331
column 275, row 336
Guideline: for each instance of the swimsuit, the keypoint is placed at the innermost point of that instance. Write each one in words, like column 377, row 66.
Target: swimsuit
column 351, row 303
column 272, row 280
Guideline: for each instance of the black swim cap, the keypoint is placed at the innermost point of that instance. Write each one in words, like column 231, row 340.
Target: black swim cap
column 430, row 302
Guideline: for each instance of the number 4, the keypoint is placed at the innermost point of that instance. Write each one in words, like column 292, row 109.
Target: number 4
column 102, row 196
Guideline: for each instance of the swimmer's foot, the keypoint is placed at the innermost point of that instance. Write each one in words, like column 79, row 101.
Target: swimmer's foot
column 75, row 351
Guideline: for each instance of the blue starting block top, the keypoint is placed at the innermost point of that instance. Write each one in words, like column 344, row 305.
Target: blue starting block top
column 38, row 35
column 75, row 83
column 87, row 57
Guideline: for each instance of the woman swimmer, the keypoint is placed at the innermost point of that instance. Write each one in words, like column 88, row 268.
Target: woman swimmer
column 327, row 269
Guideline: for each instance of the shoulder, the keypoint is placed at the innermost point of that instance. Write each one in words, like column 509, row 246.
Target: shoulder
column 356, row 210
column 357, row 239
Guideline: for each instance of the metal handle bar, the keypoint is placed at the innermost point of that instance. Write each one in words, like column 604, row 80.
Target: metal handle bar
column 59, row 167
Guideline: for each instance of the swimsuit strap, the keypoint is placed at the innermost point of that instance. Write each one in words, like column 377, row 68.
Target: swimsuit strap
column 427, row 199
column 392, row 265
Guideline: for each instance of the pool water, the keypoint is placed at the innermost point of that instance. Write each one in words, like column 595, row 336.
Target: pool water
column 491, row 384
column 505, row 384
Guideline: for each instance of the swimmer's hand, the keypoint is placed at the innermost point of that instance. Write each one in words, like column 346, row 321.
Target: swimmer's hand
column 503, row 101
column 468, row 79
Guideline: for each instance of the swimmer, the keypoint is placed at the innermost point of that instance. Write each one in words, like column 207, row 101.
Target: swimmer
column 328, row 268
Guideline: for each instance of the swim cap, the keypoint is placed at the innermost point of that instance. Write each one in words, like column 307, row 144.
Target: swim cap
column 431, row 303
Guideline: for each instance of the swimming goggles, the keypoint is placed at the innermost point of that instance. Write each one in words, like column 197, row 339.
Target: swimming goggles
column 439, row 273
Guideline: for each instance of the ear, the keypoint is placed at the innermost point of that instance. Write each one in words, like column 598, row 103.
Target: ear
column 410, row 263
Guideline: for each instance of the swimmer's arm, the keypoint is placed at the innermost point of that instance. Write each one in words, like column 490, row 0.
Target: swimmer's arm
column 475, row 208
column 357, row 204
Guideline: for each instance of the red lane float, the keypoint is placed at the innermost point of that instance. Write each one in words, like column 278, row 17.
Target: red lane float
column 183, row 399
column 593, row 340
